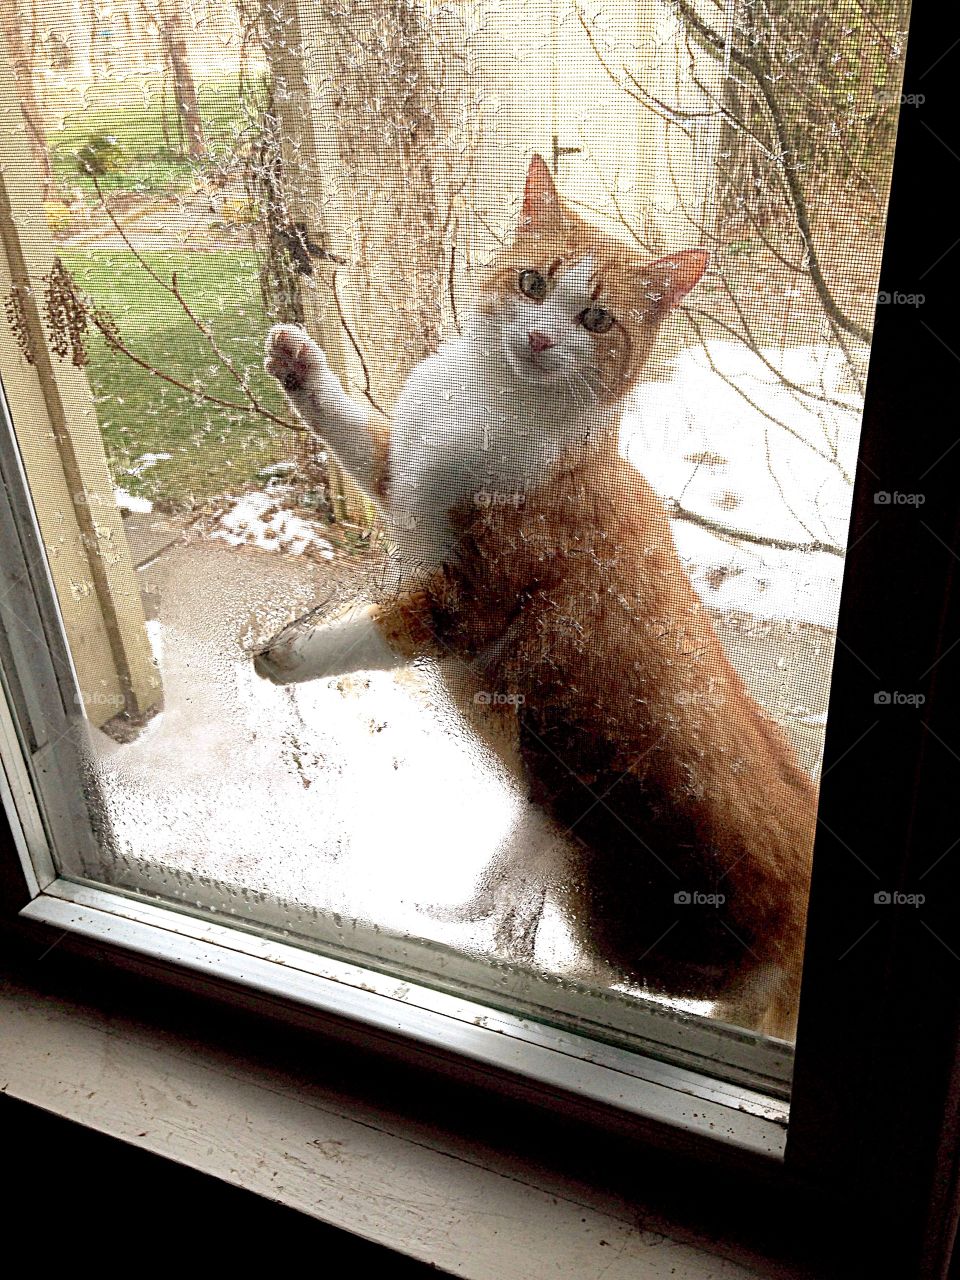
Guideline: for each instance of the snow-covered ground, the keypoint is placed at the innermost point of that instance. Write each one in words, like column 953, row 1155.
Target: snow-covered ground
column 755, row 456
column 131, row 502
column 260, row 519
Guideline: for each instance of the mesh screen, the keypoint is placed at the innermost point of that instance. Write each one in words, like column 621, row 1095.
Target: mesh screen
column 583, row 602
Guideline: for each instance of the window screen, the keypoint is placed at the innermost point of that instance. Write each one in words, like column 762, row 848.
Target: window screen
column 550, row 468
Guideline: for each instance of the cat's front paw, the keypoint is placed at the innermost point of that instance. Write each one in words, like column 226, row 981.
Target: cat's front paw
column 293, row 358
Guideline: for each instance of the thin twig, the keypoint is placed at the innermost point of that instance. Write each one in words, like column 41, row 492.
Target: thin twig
column 666, row 113
column 678, row 512
column 173, row 289
column 114, row 340
column 771, row 471
column 451, row 273
column 735, row 386
column 353, row 342
column 746, row 336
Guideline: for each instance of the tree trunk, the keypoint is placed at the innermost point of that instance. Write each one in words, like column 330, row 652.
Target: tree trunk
column 394, row 93
column 32, row 115
column 183, row 81
column 294, row 181
column 372, row 105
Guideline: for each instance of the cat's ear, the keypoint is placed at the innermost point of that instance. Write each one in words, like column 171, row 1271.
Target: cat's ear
column 541, row 203
column 668, row 280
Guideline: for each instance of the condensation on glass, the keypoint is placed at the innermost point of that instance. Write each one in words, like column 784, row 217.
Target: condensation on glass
column 204, row 170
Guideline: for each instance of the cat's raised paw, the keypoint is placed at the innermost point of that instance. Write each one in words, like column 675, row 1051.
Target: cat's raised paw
column 292, row 357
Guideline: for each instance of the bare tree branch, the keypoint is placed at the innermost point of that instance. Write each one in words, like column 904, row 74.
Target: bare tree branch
column 172, row 287
column 719, row 46
column 735, row 386
column 678, row 512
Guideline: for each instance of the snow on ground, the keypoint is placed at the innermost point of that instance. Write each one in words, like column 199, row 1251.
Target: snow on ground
column 259, row 519
column 757, row 457
column 127, row 502
column 146, row 461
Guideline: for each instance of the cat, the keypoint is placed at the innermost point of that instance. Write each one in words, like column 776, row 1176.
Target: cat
column 545, row 564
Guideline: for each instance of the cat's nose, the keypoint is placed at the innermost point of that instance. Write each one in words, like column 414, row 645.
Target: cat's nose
column 539, row 341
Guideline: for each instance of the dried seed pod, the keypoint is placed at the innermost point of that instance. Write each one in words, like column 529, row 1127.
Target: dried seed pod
column 67, row 313
column 17, row 320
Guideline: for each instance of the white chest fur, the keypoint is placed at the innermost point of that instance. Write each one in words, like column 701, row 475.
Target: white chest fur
column 468, row 430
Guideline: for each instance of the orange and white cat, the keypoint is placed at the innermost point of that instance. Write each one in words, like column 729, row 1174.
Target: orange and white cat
column 534, row 554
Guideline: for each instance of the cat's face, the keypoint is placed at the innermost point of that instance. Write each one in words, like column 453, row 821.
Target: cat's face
column 572, row 307
column 551, row 321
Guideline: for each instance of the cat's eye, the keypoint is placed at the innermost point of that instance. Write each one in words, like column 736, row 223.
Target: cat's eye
column 597, row 319
column 532, row 285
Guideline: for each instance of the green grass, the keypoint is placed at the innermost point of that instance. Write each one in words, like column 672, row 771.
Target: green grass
column 144, row 121
column 213, row 450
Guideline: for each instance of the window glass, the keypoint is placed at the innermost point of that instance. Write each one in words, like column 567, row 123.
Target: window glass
column 487, row 631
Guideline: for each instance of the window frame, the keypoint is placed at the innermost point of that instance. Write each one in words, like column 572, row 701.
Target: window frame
column 876, row 1098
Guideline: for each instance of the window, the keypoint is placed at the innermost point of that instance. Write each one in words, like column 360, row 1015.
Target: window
column 169, row 512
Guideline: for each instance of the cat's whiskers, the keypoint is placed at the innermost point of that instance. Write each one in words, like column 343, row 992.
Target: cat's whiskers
column 592, row 392
column 568, row 381
column 601, row 384
column 592, row 389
